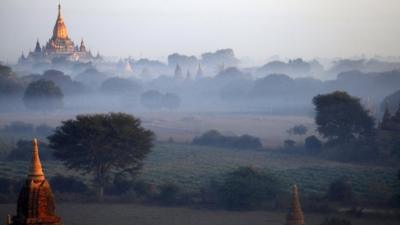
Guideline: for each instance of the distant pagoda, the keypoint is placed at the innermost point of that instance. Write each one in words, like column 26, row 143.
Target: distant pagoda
column 59, row 46
column 36, row 201
column 295, row 215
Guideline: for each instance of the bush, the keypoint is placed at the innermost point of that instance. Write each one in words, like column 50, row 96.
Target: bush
column 69, row 184
column 214, row 138
column 335, row 221
column 247, row 188
column 144, row 189
column 169, row 194
column 312, row 144
column 121, row 185
column 340, row 190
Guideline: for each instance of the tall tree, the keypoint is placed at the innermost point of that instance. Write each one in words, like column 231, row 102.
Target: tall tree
column 43, row 95
column 103, row 145
column 342, row 119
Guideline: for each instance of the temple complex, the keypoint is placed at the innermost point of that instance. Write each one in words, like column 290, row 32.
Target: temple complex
column 59, row 46
column 295, row 215
column 35, row 201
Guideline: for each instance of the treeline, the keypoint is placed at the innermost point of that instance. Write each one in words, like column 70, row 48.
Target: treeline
column 216, row 139
column 230, row 89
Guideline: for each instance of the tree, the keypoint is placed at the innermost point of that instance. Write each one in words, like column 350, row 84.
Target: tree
column 9, row 82
column 102, row 145
column 297, row 130
column 312, row 143
column 342, row 119
column 43, row 95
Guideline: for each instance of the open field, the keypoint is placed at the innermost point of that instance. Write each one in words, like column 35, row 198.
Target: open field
column 112, row 214
column 193, row 167
column 182, row 126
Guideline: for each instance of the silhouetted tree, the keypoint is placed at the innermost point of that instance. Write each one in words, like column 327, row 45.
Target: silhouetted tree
column 103, row 145
column 43, row 95
column 9, row 82
column 342, row 119
column 312, row 144
column 297, row 130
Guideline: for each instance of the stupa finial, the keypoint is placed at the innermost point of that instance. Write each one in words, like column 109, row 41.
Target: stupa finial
column 36, row 171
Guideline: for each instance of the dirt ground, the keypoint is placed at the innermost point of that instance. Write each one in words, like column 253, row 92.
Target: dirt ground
column 116, row 214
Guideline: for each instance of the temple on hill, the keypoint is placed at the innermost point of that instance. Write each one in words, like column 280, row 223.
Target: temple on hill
column 295, row 215
column 59, row 46
column 35, row 201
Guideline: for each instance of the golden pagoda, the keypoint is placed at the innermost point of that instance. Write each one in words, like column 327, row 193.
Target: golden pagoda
column 35, row 201
column 59, row 46
column 60, row 41
column 295, row 215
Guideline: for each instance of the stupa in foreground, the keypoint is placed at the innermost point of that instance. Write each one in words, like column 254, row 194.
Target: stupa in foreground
column 36, row 201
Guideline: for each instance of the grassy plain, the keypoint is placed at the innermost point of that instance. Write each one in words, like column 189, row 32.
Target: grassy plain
column 193, row 167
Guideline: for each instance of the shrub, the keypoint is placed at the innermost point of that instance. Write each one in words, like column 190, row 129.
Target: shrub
column 247, row 188
column 144, row 189
column 69, row 184
column 169, row 194
column 121, row 185
column 312, row 144
column 340, row 190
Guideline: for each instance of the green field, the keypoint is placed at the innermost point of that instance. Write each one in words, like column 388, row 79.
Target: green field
column 193, row 167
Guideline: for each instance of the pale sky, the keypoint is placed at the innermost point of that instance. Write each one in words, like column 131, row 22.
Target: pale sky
column 253, row 28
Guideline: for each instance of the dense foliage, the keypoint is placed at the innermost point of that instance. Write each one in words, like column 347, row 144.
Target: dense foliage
column 102, row 144
column 43, row 95
column 214, row 138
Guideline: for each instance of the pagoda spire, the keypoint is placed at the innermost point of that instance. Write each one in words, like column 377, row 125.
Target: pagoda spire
column 36, row 171
column 295, row 215
column 59, row 9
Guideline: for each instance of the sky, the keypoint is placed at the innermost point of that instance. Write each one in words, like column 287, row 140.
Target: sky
column 256, row 29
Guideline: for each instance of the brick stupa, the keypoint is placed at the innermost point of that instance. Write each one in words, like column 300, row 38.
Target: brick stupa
column 36, row 201
column 295, row 215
